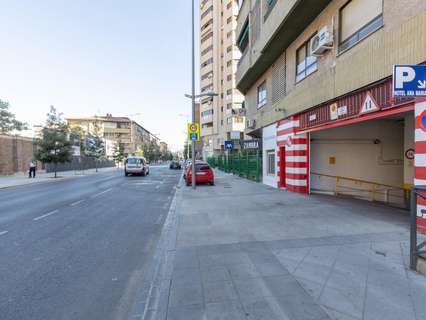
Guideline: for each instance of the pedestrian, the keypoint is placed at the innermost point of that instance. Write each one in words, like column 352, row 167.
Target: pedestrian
column 32, row 172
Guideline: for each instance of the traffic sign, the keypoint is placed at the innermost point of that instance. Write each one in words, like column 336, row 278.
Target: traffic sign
column 193, row 132
column 421, row 121
column 229, row 145
column 409, row 81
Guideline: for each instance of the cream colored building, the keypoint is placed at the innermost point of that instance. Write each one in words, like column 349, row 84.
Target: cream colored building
column 221, row 117
column 317, row 80
column 115, row 131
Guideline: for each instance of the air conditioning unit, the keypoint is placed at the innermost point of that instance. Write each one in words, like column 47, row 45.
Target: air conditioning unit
column 251, row 124
column 322, row 42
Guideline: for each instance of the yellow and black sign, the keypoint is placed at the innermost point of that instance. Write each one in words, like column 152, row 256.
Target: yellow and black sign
column 193, row 132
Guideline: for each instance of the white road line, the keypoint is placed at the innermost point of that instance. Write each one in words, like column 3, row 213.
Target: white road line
column 2, row 233
column 101, row 193
column 157, row 187
column 76, row 203
column 46, row 215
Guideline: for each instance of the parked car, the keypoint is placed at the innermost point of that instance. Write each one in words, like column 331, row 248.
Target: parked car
column 136, row 165
column 175, row 165
column 203, row 173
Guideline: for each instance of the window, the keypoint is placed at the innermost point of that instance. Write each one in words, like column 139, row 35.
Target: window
column 358, row 19
column 243, row 39
column 269, row 4
column 238, row 119
column 205, row 13
column 206, row 50
column 229, row 120
column 207, row 62
column 207, row 113
column 206, row 37
column 207, row 88
column 306, row 63
column 207, row 75
column 262, row 95
column 270, row 170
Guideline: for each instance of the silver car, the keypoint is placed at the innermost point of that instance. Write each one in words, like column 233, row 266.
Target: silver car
column 136, row 165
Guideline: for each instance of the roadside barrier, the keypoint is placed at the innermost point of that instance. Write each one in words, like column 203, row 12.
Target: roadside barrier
column 244, row 164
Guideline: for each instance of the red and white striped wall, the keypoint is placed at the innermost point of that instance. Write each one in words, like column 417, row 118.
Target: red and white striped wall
column 420, row 162
column 293, row 155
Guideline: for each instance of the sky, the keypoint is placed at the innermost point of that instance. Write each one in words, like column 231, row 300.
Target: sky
column 92, row 57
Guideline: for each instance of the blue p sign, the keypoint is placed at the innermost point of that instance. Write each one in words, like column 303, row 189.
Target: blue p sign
column 409, row 81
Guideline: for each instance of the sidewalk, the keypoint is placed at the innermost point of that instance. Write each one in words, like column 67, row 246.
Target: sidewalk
column 246, row 251
column 43, row 177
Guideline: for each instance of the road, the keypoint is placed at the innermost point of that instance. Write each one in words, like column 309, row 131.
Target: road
column 76, row 249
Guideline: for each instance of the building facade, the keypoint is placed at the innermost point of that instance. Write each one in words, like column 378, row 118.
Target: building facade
column 317, row 80
column 115, row 131
column 221, row 117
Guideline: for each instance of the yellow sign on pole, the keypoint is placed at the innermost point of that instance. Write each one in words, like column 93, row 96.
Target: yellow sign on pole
column 193, row 132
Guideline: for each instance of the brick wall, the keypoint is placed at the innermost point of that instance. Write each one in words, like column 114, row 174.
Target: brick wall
column 15, row 154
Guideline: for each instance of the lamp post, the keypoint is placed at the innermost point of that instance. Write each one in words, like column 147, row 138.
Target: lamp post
column 193, row 96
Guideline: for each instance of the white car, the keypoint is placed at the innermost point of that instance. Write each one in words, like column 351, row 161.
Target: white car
column 136, row 165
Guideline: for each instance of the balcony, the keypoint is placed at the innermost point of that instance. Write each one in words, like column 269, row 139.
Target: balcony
column 284, row 23
column 206, row 131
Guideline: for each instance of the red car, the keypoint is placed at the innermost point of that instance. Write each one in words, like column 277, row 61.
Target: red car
column 203, row 174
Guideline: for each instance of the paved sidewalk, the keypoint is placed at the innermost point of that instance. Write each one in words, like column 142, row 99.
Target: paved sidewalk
column 246, row 251
column 43, row 177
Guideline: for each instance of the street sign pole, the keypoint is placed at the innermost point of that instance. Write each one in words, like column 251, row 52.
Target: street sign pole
column 193, row 91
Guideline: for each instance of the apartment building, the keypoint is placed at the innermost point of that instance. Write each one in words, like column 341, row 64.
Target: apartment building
column 317, row 80
column 221, row 117
column 115, row 131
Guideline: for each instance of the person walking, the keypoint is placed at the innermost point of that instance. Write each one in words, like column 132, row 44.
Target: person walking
column 32, row 172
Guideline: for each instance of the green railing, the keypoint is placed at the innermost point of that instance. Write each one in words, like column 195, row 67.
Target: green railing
column 244, row 164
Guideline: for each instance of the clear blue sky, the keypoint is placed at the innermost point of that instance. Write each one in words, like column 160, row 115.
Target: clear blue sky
column 89, row 57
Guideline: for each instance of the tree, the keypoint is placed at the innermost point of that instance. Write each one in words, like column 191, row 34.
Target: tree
column 118, row 154
column 8, row 121
column 54, row 145
column 94, row 145
column 187, row 151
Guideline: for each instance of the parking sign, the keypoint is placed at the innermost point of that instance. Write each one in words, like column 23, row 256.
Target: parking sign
column 409, row 81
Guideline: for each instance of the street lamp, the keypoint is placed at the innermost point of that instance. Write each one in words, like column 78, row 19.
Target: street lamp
column 193, row 96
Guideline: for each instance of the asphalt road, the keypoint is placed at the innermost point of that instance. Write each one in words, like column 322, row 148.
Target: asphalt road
column 77, row 249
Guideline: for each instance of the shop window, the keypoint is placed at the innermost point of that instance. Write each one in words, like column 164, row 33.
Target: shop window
column 262, row 95
column 306, row 63
column 358, row 19
column 270, row 162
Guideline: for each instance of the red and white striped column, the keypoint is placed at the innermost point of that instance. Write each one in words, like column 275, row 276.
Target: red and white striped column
column 420, row 162
column 296, row 155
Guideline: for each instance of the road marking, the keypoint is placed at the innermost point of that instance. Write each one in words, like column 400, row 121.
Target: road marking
column 2, row 233
column 101, row 193
column 157, row 187
column 46, row 215
column 77, row 203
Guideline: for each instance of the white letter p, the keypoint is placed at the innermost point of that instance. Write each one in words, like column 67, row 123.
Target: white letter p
column 403, row 74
